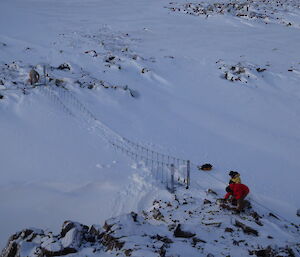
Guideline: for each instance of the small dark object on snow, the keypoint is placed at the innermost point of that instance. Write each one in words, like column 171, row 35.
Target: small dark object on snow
column 134, row 216
column 229, row 230
column 1, row 82
column 180, row 233
column 261, row 69
column 290, row 70
column 206, row 167
column 1, row 96
column 64, row 66
column 298, row 212
column 268, row 252
column 206, row 201
column 273, row 215
column 198, row 240
column 110, row 58
column 210, row 191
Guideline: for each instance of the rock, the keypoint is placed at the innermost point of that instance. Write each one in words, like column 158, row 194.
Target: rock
column 246, row 229
column 111, row 242
column 128, row 252
column 59, row 82
column 255, row 215
column 66, row 227
column 110, row 59
column 12, row 250
column 162, row 251
column 134, row 216
column 206, row 201
column 210, row 191
column 163, row 239
column 64, row 66
column 298, row 212
column 1, row 82
column 260, row 69
column 268, row 252
column 197, row 240
column 157, row 215
column 273, row 215
column 63, row 251
column 180, row 233
column 1, row 97
column 213, row 224
column 229, row 230
column 144, row 70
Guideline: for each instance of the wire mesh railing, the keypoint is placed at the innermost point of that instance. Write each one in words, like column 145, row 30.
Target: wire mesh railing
column 167, row 169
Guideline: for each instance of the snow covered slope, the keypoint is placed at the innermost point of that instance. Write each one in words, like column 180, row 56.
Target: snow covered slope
column 220, row 88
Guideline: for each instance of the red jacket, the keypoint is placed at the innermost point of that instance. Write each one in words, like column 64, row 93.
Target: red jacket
column 238, row 191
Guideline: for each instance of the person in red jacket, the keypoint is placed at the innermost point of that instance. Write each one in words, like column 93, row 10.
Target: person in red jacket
column 238, row 192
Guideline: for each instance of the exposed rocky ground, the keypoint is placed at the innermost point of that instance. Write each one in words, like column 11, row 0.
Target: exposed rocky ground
column 184, row 226
column 279, row 12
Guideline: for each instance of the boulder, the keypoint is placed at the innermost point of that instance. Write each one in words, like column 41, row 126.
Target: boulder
column 184, row 234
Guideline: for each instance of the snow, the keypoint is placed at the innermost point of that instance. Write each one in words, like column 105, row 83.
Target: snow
column 55, row 167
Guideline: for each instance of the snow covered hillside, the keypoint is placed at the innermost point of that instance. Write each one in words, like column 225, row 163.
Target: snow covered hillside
column 212, row 81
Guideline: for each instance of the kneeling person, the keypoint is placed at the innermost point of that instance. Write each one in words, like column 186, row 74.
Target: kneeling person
column 238, row 192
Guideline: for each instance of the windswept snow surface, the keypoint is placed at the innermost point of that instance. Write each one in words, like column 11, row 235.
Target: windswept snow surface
column 53, row 167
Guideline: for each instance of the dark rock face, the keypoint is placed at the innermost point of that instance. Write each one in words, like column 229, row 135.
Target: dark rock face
column 11, row 250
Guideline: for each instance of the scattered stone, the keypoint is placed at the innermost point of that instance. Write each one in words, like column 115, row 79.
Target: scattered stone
column 255, row 215
column 144, row 70
column 206, row 201
column 229, row 230
column 156, row 214
column 93, row 53
column 163, row 239
column 134, row 216
column 197, row 240
column 246, row 229
column 180, row 233
column 111, row 242
column 213, row 224
column 64, row 66
column 273, row 215
column 162, row 251
column 268, row 252
column 110, row 59
column 59, row 82
column 261, row 69
column 212, row 192
column 128, row 252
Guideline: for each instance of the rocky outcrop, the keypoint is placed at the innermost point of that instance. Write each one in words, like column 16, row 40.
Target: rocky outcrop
column 184, row 224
